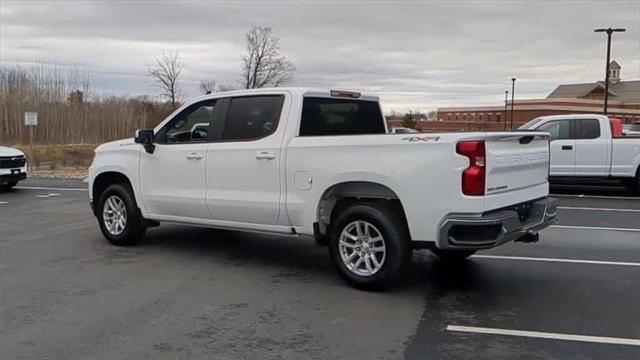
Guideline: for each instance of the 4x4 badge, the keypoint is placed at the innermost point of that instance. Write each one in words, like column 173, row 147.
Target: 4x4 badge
column 421, row 138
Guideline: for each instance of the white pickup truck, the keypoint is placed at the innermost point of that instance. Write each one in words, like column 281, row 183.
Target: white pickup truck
column 584, row 148
column 319, row 163
column 13, row 167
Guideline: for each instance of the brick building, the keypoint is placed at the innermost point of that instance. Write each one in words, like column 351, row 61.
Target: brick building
column 624, row 103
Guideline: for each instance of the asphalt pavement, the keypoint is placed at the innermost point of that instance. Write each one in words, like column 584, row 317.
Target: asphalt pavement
column 195, row 293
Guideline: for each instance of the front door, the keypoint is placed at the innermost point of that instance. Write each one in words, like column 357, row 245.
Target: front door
column 173, row 177
column 243, row 168
column 562, row 147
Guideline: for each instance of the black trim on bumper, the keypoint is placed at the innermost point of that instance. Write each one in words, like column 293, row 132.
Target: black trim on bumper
column 7, row 178
column 487, row 230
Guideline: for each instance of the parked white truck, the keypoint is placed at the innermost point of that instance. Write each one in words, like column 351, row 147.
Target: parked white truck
column 584, row 148
column 13, row 167
column 319, row 163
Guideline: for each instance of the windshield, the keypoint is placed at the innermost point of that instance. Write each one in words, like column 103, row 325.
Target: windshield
column 530, row 124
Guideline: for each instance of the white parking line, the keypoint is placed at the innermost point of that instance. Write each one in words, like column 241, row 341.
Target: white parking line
column 597, row 209
column 3, row 202
column 594, row 228
column 545, row 335
column 595, row 196
column 561, row 260
column 49, row 188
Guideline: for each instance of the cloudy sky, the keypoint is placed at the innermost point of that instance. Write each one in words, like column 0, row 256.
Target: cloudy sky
column 415, row 54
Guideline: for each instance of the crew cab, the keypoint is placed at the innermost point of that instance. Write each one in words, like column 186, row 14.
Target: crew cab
column 13, row 167
column 590, row 147
column 320, row 164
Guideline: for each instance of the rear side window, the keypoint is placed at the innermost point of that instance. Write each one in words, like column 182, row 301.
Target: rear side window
column 330, row 116
column 252, row 117
column 587, row 129
column 559, row 129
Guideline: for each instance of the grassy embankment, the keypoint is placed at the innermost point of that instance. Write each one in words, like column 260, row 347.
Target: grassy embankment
column 60, row 161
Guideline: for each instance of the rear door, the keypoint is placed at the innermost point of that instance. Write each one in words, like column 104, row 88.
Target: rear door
column 592, row 148
column 243, row 168
column 562, row 146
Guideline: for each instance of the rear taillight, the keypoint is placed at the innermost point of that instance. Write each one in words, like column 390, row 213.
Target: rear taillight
column 473, row 177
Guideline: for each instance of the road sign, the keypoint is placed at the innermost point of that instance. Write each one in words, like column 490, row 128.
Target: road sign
column 31, row 118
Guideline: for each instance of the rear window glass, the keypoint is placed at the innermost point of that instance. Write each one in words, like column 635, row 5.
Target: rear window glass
column 329, row 116
column 588, row 129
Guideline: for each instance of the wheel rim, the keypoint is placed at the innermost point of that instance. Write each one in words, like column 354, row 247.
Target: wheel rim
column 114, row 215
column 362, row 248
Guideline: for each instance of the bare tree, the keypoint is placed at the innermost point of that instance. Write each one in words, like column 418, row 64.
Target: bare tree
column 263, row 65
column 166, row 73
column 211, row 86
column 208, row 86
column 68, row 111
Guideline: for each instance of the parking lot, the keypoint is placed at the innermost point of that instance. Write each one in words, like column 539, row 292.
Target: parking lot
column 189, row 293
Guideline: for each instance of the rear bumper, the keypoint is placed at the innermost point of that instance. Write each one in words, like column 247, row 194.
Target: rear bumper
column 9, row 178
column 487, row 230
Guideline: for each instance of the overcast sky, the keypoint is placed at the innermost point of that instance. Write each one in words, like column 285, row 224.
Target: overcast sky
column 416, row 55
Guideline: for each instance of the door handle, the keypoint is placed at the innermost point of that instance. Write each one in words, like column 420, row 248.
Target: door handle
column 567, row 147
column 194, row 156
column 265, row 155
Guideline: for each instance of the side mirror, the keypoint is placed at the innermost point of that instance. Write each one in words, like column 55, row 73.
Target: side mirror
column 145, row 137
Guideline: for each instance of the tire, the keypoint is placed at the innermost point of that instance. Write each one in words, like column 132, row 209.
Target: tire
column 379, row 221
column 8, row 186
column 453, row 255
column 635, row 184
column 117, row 202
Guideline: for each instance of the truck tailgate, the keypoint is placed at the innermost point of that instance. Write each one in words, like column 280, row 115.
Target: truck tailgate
column 516, row 161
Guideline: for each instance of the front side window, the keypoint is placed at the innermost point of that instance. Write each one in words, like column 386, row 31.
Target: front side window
column 190, row 125
column 560, row 129
column 530, row 124
column 252, row 117
column 330, row 116
column 587, row 129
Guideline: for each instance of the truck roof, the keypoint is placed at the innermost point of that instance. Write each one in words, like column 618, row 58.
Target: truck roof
column 302, row 91
column 571, row 116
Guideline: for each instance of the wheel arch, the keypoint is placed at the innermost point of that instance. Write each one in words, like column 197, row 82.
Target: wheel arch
column 343, row 193
column 105, row 179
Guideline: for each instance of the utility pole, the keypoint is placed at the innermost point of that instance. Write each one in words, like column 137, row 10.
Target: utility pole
column 513, row 92
column 506, row 101
column 609, row 31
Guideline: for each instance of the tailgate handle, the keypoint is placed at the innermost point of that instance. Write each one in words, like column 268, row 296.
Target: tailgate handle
column 567, row 147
